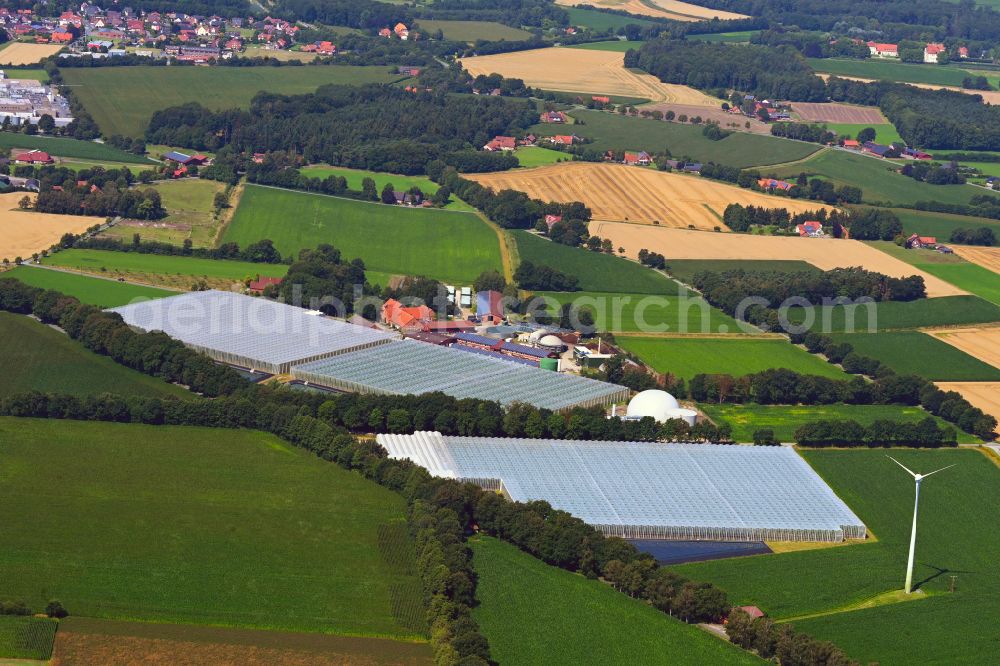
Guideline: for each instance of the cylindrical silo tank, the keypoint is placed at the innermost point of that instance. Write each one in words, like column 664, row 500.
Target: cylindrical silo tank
column 549, row 364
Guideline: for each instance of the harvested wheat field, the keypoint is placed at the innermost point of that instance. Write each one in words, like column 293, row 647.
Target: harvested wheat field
column 824, row 253
column 987, row 257
column 984, row 395
column 584, row 71
column 634, row 194
column 982, row 343
column 22, row 53
column 670, row 9
column 24, row 232
column 834, row 112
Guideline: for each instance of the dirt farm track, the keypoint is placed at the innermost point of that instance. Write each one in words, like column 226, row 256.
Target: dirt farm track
column 22, row 53
column 636, row 194
column 584, row 71
column 824, row 253
column 25, row 232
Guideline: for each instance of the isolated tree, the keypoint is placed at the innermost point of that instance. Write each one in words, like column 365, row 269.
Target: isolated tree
column 388, row 194
column 369, row 189
column 24, row 203
column 867, row 134
column 46, row 123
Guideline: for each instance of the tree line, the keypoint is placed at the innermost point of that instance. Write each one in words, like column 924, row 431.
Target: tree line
column 881, row 433
column 261, row 252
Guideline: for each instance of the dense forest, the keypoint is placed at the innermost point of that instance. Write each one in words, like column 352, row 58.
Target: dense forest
column 372, row 127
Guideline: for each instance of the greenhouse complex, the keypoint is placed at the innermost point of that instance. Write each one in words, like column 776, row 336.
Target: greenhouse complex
column 249, row 332
column 266, row 336
column 411, row 367
column 641, row 490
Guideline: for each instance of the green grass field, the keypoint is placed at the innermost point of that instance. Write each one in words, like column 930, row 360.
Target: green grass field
column 873, row 68
column 65, row 147
column 36, row 73
column 26, row 637
column 968, row 276
column 99, row 261
column 785, row 419
column 618, row 45
column 39, row 358
column 535, row 156
column 724, row 37
column 190, row 205
column 122, row 99
column 892, row 315
column 916, row 353
column 740, row 149
column 201, row 526
column 534, row 614
column 646, row 313
column 355, row 177
column 588, row 18
column 93, row 290
column 686, row 357
column 876, row 178
column 445, row 245
column 596, row 271
column 686, row 269
column 941, row 225
column 885, row 133
column 471, row 31
column 956, row 508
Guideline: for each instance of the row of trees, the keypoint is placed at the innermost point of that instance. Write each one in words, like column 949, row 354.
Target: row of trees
column 261, row 252
column 980, row 236
column 743, row 218
column 933, row 174
column 89, row 199
column 544, row 278
column 773, row 641
column 883, row 432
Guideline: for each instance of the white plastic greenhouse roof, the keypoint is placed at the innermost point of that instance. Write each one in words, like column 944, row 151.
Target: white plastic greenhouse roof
column 412, row 367
column 232, row 327
column 648, row 490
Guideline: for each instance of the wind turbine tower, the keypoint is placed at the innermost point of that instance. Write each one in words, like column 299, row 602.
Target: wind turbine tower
column 917, row 478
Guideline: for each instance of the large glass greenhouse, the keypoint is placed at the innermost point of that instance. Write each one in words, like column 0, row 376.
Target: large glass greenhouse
column 647, row 490
column 411, row 367
column 254, row 333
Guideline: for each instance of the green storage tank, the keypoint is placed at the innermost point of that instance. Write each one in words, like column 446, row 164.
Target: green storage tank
column 549, row 364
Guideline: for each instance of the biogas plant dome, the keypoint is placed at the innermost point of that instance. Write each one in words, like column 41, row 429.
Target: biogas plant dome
column 658, row 404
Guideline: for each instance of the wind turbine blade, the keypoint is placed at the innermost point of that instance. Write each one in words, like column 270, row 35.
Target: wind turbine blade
column 912, row 473
column 938, row 470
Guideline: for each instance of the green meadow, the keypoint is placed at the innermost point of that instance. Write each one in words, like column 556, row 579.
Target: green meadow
column 588, row 18
column 893, row 315
column 609, row 131
column 355, row 179
column 724, row 37
column 446, row 245
column 106, row 293
column 471, row 31
column 535, row 156
column 686, row 269
column 596, row 271
column 40, row 358
column 784, row 420
column 617, row 45
column 687, row 357
column 123, row 99
column 885, row 133
column 916, row 353
column 874, row 68
column 954, row 546
column 66, row 147
column 941, row 225
column 100, row 261
column 585, row 621
column 201, row 526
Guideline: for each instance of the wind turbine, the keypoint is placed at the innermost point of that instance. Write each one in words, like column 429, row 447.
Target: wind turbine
column 916, row 501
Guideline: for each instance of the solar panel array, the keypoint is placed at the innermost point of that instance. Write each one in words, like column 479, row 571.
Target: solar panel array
column 649, row 490
column 252, row 332
column 411, row 367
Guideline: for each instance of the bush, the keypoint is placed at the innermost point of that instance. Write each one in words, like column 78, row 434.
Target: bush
column 56, row 609
column 764, row 437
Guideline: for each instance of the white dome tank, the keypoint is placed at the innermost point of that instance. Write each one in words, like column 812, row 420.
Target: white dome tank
column 654, row 402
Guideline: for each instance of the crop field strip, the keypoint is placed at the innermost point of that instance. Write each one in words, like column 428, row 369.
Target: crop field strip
column 242, row 519
column 984, row 395
column 26, row 637
column 40, row 358
column 687, row 357
column 824, row 253
column 596, row 20
column 982, row 343
column 105, row 292
column 24, row 232
column 954, row 509
column 586, row 621
column 834, row 112
column 784, row 420
column 635, row 194
column 25, row 53
column 471, row 31
column 355, row 179
column 668, row 9
column 123, row 99
column 390, row 239
column 72, row 148
column 987, row 257
column 685, row 269
column 951, row 268
column 946, row 355
column 585, row 71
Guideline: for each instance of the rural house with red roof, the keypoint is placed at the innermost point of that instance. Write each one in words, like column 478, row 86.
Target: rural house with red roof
column 501, row 143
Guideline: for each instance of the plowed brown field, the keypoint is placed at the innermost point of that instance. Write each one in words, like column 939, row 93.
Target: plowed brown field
column 671, row 9
column 987, row 257
column 25, row 232
column 982, row 343
column 824, row 253
column 583, row 71
column 833, row 112
column 23, row 53
column 984, row 395
column 635, row 194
